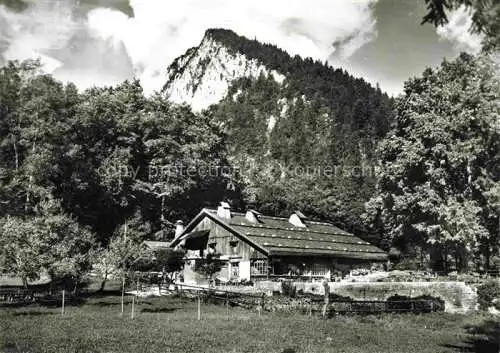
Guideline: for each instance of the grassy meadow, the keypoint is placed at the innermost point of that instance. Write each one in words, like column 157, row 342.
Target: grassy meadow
column 171, row 325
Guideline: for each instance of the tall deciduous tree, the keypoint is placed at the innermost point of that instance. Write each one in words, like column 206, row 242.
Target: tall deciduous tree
column 440, row 165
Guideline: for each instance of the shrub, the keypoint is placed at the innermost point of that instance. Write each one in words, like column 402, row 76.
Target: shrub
column 288, row 289
column 407, row 263
column 487, row 293
column 425, row 305
column 421, row 304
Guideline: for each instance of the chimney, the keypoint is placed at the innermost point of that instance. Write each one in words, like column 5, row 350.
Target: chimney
column 297, row 219
column 179, row 228
column 252, row 216
column 224, row 210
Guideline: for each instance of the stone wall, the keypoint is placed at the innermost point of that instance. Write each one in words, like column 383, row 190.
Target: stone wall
column 458, row 296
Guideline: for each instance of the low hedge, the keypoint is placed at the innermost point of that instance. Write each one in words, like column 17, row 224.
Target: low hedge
column 488, row 295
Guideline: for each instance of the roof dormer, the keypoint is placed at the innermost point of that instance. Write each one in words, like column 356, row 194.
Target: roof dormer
column 297, row 219
column 252, row 216
column 224, row 210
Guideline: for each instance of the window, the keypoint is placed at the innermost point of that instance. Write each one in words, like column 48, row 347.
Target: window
column 259, row 268
column 318, row 269
column 233, row 244
column 235, row 269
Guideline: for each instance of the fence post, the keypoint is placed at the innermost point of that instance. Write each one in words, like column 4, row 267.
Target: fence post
column 137, row 290
column 62, row 306
column 199, row 306
column 262, row 300
column 123, row 292
column 133, row 304
column 227, row 304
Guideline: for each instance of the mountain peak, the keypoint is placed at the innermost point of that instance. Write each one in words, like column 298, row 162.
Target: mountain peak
column 221, row 33
column 202, row 76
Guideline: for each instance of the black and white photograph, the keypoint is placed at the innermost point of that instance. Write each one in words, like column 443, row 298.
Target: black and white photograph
column 250, row 176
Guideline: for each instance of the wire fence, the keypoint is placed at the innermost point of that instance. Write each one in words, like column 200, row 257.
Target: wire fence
column 309, row 305
column 313, row 304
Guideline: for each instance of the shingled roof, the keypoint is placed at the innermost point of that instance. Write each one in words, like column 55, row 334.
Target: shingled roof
column 276, row 236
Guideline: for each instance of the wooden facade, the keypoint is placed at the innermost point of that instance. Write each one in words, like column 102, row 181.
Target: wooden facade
column 267, row 249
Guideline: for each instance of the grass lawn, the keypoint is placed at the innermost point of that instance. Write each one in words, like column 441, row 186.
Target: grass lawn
column 171, row 325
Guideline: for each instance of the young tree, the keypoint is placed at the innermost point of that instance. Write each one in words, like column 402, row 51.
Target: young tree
column 168, row 262
column 208, row 266
column 124, row 253
column 20, row 249
column 103, row 266
column 50, row 242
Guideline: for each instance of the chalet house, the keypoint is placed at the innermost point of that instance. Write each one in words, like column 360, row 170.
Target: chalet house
column 261, row 247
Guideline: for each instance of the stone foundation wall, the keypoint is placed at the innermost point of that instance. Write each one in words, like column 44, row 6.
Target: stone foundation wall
column 458, row 296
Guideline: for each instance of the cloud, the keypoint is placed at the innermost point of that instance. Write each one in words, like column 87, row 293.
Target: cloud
column 103, row 45
column 457, row 31
column 42, row 28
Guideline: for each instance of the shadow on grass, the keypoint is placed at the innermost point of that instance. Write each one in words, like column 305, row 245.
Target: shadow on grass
column 483, row 338
column 53, row 301
column 42, row 302
column 33, row 313
column 114, row 303
column 103, row 303
column 15, row 305
column 159, row 310
column 104, row 294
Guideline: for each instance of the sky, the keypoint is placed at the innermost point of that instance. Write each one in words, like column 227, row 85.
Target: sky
column 103, row 42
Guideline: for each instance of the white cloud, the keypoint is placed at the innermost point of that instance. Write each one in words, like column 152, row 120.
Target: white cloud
column 160, row 30
column 44, row 27
column 457, row 31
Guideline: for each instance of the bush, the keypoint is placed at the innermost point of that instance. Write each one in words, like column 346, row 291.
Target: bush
column 407, row 263
column 488, row 295
column 288, row 289
column 421, row 304
column 425, row 305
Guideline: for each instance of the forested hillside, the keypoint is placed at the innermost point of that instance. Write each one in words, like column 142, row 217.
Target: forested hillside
column 307, row 142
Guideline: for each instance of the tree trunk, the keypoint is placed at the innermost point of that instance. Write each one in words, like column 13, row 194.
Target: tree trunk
column 162, row 212
column 104, row 280
column 445, row 260
column 487, row 257
column 29, row 184
column 16, row 154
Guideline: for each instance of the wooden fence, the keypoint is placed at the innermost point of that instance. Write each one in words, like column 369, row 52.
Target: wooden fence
column 44, row 297
column 312, row 303
column 260, row 302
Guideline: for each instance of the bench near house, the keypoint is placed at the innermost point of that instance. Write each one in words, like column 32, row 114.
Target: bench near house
column 256, row 247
